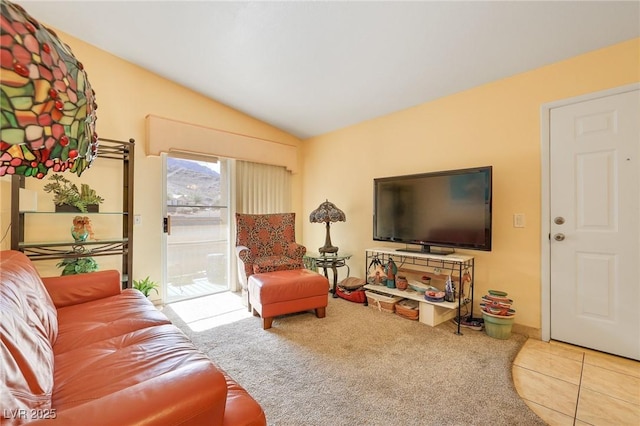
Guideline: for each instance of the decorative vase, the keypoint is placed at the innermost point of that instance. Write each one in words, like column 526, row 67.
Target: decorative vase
column 81, row 229
column 401, row 282
column 391, row 271
column 79, row 233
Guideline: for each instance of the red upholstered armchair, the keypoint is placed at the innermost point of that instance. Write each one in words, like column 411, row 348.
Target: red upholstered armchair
column 266, row 243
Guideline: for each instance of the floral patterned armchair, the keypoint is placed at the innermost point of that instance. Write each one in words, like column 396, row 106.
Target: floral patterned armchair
column 266, row 243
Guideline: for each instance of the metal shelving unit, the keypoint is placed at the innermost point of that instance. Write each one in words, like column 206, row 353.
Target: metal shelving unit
column 455, row 264
column 107, row 149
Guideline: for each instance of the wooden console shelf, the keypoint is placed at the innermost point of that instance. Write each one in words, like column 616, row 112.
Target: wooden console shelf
column 431, row 313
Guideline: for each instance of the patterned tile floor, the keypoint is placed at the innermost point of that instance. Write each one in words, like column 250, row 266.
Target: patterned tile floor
column 569, row 385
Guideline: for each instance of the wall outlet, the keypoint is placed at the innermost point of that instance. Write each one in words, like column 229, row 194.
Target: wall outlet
column 437, row 271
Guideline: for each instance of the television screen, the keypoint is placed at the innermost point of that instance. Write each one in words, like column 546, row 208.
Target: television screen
column 447, row 209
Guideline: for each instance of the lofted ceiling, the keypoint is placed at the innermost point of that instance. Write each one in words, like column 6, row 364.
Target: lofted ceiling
column 313, row 67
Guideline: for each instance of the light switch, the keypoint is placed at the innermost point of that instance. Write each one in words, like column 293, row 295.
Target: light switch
column 137, row 219
column 518, row 220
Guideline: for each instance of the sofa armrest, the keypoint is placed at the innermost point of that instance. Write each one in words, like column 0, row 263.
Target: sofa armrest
column 194, row 395
column 80, row 288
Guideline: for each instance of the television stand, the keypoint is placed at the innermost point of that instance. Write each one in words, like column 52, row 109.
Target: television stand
column 454, row 264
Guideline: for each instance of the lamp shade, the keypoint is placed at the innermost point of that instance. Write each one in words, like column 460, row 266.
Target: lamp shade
column 48, row 106
column 327, row 212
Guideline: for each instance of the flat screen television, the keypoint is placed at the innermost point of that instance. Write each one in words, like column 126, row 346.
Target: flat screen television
column 449, row 208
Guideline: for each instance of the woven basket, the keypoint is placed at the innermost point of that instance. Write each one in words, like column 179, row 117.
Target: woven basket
column 408, row 309
column 382, row 302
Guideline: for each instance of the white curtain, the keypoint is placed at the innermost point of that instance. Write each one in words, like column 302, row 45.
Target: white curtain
column 262, row 188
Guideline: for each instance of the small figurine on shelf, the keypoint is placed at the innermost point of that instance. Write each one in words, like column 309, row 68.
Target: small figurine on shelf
column 449, row 290
column 466, row 279
column 378, row 275
column 391, row 270
column 81, row 229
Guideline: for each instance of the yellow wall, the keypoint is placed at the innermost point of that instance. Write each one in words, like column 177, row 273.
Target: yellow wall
column 495, row 124
column 126, row 94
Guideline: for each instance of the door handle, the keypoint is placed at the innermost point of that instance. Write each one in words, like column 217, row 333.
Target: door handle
column 166, row 225
column 559, row 237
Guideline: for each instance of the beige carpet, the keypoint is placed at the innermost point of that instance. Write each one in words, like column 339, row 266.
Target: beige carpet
column 359, row 366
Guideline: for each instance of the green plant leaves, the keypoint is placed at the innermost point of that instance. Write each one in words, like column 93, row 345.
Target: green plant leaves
column 66, row 192
column 80, row 265
column 145, row 286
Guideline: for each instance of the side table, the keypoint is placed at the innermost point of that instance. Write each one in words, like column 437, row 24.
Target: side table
column 314, row 261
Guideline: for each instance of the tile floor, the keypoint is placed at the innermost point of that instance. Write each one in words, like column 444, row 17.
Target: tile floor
column 569, row 385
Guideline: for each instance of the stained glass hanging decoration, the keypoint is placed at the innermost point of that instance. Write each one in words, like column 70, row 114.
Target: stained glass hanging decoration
column 48, row 106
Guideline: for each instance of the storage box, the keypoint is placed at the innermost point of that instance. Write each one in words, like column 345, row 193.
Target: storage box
column 382, row 302
column 408, row 309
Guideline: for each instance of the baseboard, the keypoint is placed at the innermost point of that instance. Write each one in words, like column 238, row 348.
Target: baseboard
column 534, row 333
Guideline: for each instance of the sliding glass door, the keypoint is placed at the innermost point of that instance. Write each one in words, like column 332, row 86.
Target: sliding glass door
column 197, row 228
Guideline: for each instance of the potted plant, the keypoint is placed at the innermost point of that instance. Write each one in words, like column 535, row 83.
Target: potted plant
column 67, row 197
column 145, row 286
column 77, row 265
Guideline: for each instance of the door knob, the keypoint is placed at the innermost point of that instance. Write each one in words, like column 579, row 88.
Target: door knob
column 558, row 237
column 166, row 225
column 559, row 220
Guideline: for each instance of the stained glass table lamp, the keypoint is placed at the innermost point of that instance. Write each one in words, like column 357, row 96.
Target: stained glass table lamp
column 326, row 213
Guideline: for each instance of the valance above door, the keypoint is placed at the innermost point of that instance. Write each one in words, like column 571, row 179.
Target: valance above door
column 171, row 136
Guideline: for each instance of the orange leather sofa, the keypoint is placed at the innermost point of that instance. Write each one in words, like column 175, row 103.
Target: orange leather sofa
column 78, row 350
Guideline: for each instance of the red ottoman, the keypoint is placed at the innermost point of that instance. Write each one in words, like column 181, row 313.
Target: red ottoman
column 285, row 292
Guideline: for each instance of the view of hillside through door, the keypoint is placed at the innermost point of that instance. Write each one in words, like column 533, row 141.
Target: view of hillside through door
column 197, row 228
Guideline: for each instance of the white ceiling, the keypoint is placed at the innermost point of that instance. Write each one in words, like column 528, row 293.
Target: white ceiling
column 313, row 67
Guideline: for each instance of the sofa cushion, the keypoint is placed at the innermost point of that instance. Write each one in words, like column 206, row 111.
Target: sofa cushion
column 74, row 289
column 90, row 322
column 28, row 330
column 281, row 286
column 241, row 408
column 275, row 263
column 111, row 365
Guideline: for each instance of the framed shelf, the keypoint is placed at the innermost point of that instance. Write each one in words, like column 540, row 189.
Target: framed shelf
column 121, row 245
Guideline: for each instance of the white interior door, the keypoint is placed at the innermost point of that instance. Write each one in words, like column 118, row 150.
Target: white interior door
column 595, row 234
